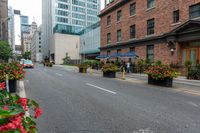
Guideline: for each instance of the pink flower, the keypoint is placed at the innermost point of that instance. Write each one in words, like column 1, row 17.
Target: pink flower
column 38, row 112
column 5, row 107
column 23, row 102
column 2, row 85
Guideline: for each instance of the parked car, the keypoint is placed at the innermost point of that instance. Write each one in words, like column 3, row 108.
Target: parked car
column 28, row 64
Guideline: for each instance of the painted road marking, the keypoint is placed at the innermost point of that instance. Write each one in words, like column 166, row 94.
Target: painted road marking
column 101, row 88
column 59, row 74
column 193, row 104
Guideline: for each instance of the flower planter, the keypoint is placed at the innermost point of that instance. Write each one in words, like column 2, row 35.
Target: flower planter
column 82, row 70
column 109, row 74
column 12, row 85
column 166, row 82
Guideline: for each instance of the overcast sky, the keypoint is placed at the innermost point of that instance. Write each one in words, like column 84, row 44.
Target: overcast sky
column 31, row 8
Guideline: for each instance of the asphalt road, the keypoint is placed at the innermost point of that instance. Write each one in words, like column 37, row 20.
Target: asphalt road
column 80, row 103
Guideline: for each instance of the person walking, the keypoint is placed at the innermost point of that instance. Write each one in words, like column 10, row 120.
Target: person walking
column 128, row 67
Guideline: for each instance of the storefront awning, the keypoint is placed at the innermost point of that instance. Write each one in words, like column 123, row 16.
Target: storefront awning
column 102, row 57
column 129, row 55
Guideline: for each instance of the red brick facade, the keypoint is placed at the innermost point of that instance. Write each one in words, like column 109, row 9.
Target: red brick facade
column 162, row 13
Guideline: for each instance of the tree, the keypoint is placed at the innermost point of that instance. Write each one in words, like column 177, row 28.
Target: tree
column 5, row 51
column 27, row 55
column 66, row 60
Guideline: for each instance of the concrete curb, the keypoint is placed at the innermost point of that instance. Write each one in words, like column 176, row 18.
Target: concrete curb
column 21, row 89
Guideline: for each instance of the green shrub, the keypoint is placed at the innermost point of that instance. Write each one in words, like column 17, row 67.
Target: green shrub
column 194, row 73
column 110, row 68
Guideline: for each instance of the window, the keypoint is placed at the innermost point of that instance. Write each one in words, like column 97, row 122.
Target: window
column 132, row 31
column 108, row 20
column 119, row 51
column 194, row 11
column 63, row 6
column 176, row 16
column 132, row 9
column 150, row 26
column 150, row 4
column 119, row 35
column 39, row 42
column 78, row 9
column 119, row 15
column 150, row 52
column 108, row 52
column 39, row 46
column 39, row 51
column 132, row 49
column 108, row 38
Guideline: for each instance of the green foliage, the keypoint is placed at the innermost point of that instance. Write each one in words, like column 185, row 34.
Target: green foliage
column 83, row 65
column 66, row 60
column 159, row 72
column 91, row 62
column 5, row 51
column 117, row 63
column 194, row 73
column 27, row 55
column 188, row 64
column 158, row 63
column 110, row 68
column 13, row 70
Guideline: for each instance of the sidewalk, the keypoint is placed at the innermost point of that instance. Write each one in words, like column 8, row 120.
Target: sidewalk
column 137, row 76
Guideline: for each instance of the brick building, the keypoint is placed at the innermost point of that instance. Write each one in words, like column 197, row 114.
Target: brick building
column 165, row 30
column 4, row 19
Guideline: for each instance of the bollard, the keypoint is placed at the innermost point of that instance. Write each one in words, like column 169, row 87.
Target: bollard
column 123, row 74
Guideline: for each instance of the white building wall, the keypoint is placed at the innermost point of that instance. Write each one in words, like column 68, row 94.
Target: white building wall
column 63, row 44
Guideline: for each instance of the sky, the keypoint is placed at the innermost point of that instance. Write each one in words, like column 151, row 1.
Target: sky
column 32, row 8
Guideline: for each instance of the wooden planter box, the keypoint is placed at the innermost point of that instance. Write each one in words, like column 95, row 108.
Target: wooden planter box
column 82, row 70
column 109, row 74
column 167, row 82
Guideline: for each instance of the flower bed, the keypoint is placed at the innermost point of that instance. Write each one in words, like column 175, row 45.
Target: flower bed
column 14, row 71
column 161, row 75
column 12, row 113
column 83, row 68
column 109, row 70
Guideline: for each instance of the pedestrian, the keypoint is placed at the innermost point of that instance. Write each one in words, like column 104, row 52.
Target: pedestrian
column 128, row 67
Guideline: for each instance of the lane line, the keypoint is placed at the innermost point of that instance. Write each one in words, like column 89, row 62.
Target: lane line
column 100, row 88
column 193, row 104
column 59, row 74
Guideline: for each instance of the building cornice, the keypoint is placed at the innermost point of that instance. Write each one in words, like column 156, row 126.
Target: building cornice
column 112, row 7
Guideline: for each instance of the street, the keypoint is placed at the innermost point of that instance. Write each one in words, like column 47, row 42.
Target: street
column 81, row 103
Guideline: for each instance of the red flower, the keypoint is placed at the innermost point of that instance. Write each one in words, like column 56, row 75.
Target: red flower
column 2, row 85
column 5, row 107
column 38, row 112
column 23, row 102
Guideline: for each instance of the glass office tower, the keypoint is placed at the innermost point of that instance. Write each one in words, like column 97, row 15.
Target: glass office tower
column 67, row 17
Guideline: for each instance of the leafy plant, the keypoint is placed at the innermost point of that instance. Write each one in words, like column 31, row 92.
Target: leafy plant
column 160, row 72
column 5, row 51
column 13, row 70
column 66, row 60
column 194, row 73
column 110, row 68
column 84, row 66
column 27, row 55
column 12, row 113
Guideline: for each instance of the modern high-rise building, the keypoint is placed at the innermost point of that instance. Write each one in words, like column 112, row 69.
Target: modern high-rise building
column 24, row 20
column 11, row 31
column 66, row 17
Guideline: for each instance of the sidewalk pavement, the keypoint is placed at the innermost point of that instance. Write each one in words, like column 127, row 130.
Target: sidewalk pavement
column 135, row 76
